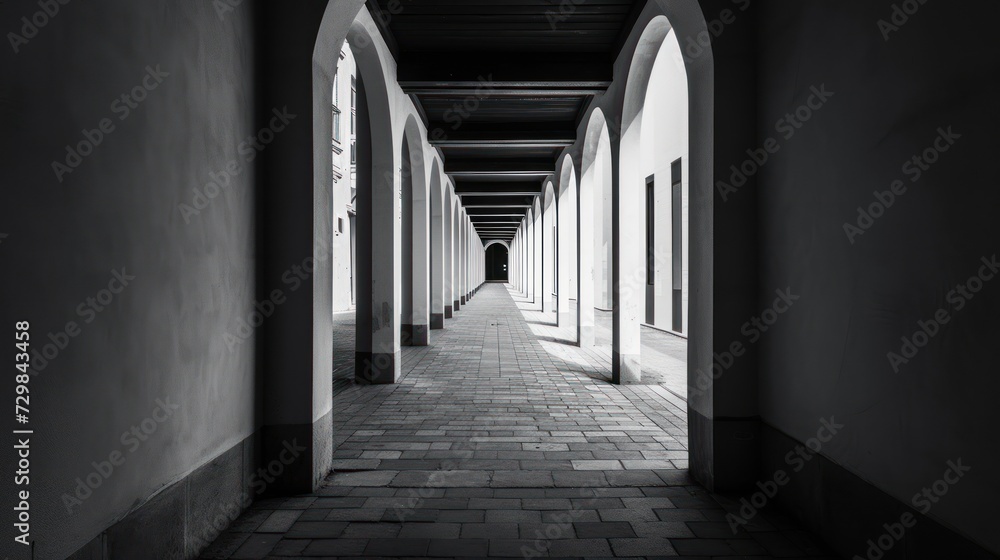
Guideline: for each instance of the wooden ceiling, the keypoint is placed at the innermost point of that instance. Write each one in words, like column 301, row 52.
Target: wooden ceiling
column 501, row 86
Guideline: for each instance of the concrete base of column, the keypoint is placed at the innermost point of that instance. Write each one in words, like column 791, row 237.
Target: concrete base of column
column 566, row 318
column 416, row 335
column 464, row 300
column 587, row 337
column 448, row 313
column 437, row 321
column 458, row 305
column 305, row 450
column 631, row 370
column 376, row 368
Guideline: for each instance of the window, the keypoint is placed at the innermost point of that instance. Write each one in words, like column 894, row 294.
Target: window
column 676, row 245
column 340, row 225
column 336, row 107
column 650, row 231
column 336, row 125
column 354, row 102
column 354, row 152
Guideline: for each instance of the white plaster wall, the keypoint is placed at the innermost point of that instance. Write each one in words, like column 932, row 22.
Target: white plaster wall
column 665, row 139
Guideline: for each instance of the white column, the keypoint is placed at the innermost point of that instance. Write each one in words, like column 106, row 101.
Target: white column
column 418, row 324
column 437, row 256
column 449, row 254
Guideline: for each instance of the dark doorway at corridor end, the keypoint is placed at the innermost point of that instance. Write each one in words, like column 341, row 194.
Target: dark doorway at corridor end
column 496, row 263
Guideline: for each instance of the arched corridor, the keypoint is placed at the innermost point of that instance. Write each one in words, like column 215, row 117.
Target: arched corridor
column 495, row 443
column 497, row 262
column 491, row 278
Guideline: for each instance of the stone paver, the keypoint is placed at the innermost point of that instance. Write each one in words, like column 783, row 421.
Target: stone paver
column 502, row 441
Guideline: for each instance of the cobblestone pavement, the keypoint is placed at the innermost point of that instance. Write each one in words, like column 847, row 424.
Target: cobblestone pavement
column 496, row 444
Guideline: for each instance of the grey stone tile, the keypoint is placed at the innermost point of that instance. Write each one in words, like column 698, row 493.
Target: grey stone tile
column 489, row 531
column 604, row 530
column 316, row 530
column 336, row 547
column 431, row 530
column 643, row 547
column 583, row 548
column 397, row 547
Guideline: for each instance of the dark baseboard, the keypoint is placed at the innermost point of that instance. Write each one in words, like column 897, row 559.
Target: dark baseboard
column 850, row 513
column 185, row 518
column 437, row 321
column 375, row 368
column 415, row 335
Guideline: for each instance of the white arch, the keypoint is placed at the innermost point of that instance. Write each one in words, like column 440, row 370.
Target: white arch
column 550, row 259
column 379, row 301
column 437, row 245
column 496, row 241
column 415, row 235
column 658, row 38
column 566, row 220
column 596, row 183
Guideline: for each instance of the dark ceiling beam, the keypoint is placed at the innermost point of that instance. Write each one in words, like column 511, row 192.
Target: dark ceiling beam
column 485, row 74
column 485, row 220
column 497, row 201
column 494, row 213
column 524, row 135
column 500, row 166
column 498, row 188
column 502, row 89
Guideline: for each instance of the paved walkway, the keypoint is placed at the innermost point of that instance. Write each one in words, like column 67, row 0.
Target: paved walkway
column 499, row 443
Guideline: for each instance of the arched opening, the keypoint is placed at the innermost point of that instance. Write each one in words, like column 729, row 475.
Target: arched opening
column 437, row 248
column 653, row 213
column 406, row 248
column 377, row 359
column 550, row 260
column 449, row 253
column 456, row 254
column 566, row 224
column 497, row 263
column 415, row 218
column 535, row 261
column 596, row 321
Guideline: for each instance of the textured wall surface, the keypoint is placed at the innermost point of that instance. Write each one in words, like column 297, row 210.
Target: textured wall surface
column 188, row 72
column 861, row 292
